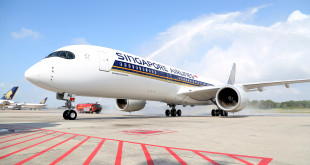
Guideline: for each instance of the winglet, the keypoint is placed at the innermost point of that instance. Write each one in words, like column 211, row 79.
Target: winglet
column 232, row 76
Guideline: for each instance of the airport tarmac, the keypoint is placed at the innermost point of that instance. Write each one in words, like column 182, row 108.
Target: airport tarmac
column 43, row 137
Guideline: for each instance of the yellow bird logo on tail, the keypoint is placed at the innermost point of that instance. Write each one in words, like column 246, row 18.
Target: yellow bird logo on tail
column 8, row 95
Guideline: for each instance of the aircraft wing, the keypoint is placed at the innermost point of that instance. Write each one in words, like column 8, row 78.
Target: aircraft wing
column 209, row 92
column 200, row 93
column 261, row 85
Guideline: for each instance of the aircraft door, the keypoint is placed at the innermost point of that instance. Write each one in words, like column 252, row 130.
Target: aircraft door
column 105, row 62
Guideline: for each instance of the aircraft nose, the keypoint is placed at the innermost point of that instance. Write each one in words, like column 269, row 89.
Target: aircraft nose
column 32, row 74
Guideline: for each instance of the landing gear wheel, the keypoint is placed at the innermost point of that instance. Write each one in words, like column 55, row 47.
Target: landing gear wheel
column 72, row 115
column 222, row 113
column 213, row 112
column 173, row 113
column 217, row 112
column 167, row 112
column 226, row 113
column 66, row 114
column 179, row 112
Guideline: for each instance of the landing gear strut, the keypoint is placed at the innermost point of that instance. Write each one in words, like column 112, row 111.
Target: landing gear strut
column 173, row 112
column 69, row 114
column 218, row 112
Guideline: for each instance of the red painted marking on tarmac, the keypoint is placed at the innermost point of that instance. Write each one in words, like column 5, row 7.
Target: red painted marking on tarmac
column 25, row 141
column 119, row 153
column 147, row 155
column 205, row 157
column 68, row 152
column 146, row 132
column 23, row 136
column 93, row 154
column 241, row 160
column 175, row 156
column 13, row 135
column 33, row 156
column 139, row 131
column 264, row 161
column 29, row 147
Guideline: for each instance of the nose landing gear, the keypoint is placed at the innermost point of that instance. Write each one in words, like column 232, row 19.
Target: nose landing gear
column 69, row 114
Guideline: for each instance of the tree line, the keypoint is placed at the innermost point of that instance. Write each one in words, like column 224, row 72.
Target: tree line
column 269, row 104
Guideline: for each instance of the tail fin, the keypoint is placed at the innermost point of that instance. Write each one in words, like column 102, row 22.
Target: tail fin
column 43, row 101
column 10, row 94
column 232, row 76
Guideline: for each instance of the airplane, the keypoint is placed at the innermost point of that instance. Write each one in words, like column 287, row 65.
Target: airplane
column 93, row 71
column 7, row 98
column 19, row 106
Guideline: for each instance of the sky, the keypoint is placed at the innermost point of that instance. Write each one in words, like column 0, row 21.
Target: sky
column 268, row 39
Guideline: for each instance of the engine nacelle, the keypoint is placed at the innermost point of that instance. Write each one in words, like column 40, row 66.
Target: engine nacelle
column 130, row 105
column 231, row 98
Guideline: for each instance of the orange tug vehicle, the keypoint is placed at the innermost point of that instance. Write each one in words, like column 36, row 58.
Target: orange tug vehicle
column 89, row 108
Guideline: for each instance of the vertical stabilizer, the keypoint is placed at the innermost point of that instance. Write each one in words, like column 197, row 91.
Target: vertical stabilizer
column 43, row 101
column 10, row 94
column 232, row 76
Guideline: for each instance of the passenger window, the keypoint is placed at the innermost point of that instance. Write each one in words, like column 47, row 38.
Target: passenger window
column 120, row 64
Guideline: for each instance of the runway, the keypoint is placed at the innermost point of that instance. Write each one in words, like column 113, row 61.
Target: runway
column 43, row 137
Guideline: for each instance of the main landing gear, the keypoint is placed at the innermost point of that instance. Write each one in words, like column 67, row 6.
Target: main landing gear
column 173, row 112
column 218, row 112
column 69, row 114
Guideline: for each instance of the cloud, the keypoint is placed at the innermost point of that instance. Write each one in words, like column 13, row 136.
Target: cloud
column 2, row 84
column 80, row 41
column 209, row 44
column 23, row 33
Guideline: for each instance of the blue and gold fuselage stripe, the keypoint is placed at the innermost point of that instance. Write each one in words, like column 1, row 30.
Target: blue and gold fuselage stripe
column 155, row 74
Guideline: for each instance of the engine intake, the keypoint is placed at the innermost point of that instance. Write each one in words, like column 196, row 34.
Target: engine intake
column 231, row 98
column 130, row 105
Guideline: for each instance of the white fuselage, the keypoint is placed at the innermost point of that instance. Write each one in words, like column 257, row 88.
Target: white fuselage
column 5, row 102
column 103, row 72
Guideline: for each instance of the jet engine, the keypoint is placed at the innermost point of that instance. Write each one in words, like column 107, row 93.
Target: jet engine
column 231, row 98
column 130, row 105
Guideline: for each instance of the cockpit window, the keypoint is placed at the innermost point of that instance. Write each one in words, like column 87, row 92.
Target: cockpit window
column 62, row 54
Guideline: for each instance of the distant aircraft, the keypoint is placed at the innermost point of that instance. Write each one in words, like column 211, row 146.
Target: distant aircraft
column 94, row 71
column 30, row 105
column 7, row 98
